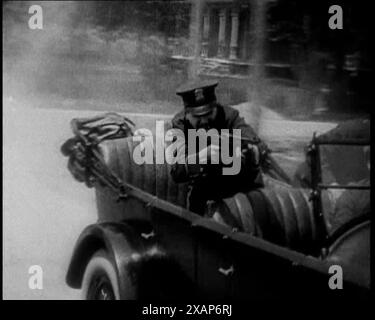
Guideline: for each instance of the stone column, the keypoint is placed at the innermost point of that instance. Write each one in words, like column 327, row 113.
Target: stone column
column 206, row 33
column 256, row 85
column 234, row 34
column 258, row 29
column 222, row 27
column 196, row 37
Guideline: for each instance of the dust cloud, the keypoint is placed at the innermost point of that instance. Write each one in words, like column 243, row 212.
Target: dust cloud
column 85, row 57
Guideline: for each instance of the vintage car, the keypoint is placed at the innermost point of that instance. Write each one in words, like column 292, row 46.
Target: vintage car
column 279, row 241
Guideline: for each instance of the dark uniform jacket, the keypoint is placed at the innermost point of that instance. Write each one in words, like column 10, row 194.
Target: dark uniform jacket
column 206, row 180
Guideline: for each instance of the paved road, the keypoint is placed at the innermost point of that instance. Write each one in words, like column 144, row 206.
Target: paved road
column 45, row 209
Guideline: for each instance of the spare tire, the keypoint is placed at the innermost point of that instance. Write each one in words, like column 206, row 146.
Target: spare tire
column 280, row 214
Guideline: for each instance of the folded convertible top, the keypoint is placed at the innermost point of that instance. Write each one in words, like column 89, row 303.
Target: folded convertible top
column 351, row 131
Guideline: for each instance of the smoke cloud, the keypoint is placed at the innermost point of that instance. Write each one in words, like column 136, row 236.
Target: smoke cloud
column 88, row 55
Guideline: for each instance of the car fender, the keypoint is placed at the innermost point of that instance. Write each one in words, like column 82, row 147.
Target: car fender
column 138, row 257
column 122, row 241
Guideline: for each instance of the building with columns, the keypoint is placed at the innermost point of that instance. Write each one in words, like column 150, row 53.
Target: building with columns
column 221, row 34
column 229, row 38
column 285, row 43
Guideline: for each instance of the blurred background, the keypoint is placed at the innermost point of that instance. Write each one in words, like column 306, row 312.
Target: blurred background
column 278, row 53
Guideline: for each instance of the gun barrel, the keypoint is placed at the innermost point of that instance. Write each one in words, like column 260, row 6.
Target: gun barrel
column 229, row 135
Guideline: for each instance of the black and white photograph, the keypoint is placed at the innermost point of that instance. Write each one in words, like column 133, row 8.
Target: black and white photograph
column 187, row 150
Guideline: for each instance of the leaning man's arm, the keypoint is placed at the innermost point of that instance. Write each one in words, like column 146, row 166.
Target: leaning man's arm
column 251, row 147
column 183, row 169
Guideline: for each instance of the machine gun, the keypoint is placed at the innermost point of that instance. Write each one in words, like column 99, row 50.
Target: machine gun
column 266, row 160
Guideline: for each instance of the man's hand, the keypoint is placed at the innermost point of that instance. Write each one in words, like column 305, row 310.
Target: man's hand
column 211, row 152
column 253, row 152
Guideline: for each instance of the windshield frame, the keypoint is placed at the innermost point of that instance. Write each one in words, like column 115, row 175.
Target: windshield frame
column 314, row 152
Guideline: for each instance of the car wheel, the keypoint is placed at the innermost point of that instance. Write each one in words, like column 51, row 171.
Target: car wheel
column 100, row 281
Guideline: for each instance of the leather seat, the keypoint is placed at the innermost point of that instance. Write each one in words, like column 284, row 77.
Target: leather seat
column 152, row 178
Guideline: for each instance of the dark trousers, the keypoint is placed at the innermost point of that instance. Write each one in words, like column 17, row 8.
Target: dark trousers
column 197, row 200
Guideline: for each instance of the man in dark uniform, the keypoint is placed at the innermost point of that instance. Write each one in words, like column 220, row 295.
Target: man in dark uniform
column 206, row 181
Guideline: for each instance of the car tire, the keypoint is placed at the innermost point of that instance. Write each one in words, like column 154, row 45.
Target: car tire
column 100, row 280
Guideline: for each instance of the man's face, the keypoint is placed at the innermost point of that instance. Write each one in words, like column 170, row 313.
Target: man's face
column 205, row 121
